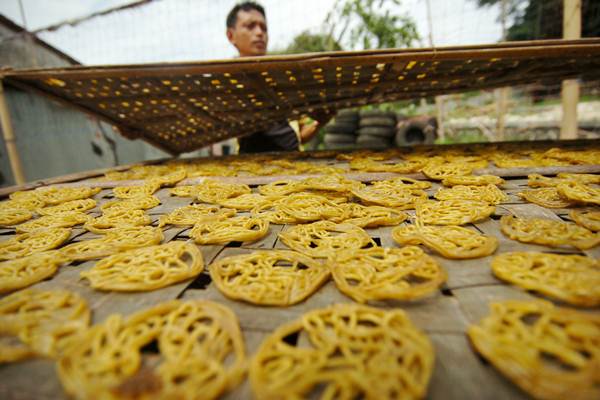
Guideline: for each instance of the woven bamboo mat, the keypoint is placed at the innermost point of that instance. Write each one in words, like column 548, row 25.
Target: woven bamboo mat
column 181, row 107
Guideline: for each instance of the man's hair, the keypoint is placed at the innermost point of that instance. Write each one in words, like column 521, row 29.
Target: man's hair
column 244, row 6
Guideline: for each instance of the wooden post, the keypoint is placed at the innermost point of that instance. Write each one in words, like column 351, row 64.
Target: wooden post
column 439, row 100
column 570, row 88
column 502, row 94
column 9, row 140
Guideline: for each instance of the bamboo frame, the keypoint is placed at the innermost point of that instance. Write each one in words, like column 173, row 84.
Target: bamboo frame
column 9, row 139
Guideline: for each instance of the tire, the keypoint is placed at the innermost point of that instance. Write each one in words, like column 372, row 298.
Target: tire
column 377, row 114
column 338, row 138
column 380, row 131
column 416, row 131
column 347, row 114
column 377, row 121
column 340, row 146
column 372, row 142
column 341, row 127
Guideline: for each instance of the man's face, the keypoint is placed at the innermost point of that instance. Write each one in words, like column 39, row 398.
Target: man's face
column 249, row 35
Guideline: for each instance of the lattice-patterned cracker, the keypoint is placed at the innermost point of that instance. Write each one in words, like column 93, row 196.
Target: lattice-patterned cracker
column 548, row 232
column 514, row 161
column 472, row 180
column 402, row 183
column 588, row 219
column 57, row 195
column 169, row 178
column 270, row 211
column 440, row 171
column 398, row 197
column 549, row 352
column 211, row 191
column 578, row 192
column 453, row 212
column 586, row 179
column 308, row 207
column 123, row 206
column 184, row 191
column 239, row 229
column 115, row 241
column 279, row 188
column 13, row 216
column 130, row 192
column 25, row 271
column 63, row 220
column 34, row 242
column 372, row 216
column 450, row 241
column 571, row 278
column 324, row 239
column 201, row 354
column 246, row 202
column 147, row 268
column 269, row 277
column 386, row 273
column 108, row 222
column 80, row 205
column 540, row 181
column 489, row 193
column 546, row 197
column 194, row 213
column 45, row 321
column 347, row 351
column 369, row 164
column 29, row 200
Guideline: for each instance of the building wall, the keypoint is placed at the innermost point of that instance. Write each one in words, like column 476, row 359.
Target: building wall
column 53, row 139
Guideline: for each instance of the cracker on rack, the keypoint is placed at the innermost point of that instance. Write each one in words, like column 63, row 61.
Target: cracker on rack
column 399, row 197
column 546, row 197
column 22, row 272
column 588, row 219
column 394, row 358
column 26, row 244
column 220, row 231
column 381, row 273
column 108, row 222
column 549, row 352
column 571, row 278
column 453, row 242
column 488, row 193
column 147, row 268
column 269, row 277
column 372, row 216
column 130, row 192
column 472, row 180
column 80, row 205
column 63, row 220
column 136, row 203
column 579, row 192
column 201, row 354
column 453, row 212
column 194, row 213
column 324, row 239
column 548, row 232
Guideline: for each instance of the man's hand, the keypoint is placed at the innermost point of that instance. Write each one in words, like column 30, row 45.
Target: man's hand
column 308, row 129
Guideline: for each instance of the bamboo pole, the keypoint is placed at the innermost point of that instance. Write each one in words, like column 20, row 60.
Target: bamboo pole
column 9, row 140
column 570, row 88
column 502, row 94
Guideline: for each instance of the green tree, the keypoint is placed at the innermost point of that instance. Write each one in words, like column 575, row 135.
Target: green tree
column 370, row 24
column 307, row 42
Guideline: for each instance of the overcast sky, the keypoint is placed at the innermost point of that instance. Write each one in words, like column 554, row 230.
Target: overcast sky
column 184, row 30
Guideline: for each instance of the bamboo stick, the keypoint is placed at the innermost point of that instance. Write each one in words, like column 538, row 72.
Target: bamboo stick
column 9, row 140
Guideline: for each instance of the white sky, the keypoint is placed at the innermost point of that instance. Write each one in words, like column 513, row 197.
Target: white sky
column 184, row 30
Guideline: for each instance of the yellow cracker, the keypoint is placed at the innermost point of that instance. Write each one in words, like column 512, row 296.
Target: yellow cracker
column 453, row 212
column 472, row 180
column 489, row 193
column 345, row 351
column 540, row 181
column 548, row 232
column 279, row 188
column 23, row 272
column 184, row 191
column 372, row 216
column 34, row 242
column 271, row 277
column 240, row 229
column 308, row 207
column 201, row 354
column 588, row 219
column 246, row 202
column 57, row 195
column 194, row 213
column 45, row 321
column 549, row 352
column 370, row 164
column 324, row 239
column 450, row 241
column 546, row 197
column 130, row 192
column 169, row 178
column 398, row 197
column 13, row 216
column 402, row 183
column 438, row 171
column 579, row 192
column 107, row 223
column 570, row 278
column 270, row 211
column 586, row 179
column 115, row 241
column 80, row 205
column 386, row 273
column 30, row 200
column 63, row 220
column 148, row 268
column 136, row 203
column 211, row 191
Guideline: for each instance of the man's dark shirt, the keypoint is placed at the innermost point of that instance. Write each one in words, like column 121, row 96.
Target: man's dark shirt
column 279, row 138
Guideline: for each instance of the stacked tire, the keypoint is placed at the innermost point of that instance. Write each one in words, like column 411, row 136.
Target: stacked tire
column 377, row 129
column 416, row 130
column 341, row 132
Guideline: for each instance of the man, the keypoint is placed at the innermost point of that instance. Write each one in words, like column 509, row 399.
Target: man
column 247, row 31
